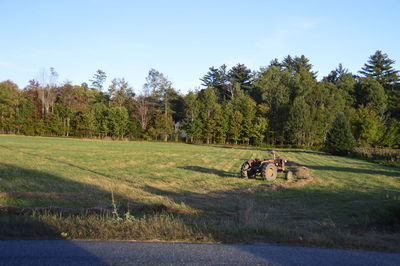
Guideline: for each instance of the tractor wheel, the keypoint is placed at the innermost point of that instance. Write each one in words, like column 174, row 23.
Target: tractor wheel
column 289, row 175
column 269, row 172
column 244, row 170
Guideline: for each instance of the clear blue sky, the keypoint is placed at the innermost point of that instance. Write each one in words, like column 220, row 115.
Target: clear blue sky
column 182, row 39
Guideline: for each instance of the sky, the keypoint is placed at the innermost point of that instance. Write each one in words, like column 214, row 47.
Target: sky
column 182, row 39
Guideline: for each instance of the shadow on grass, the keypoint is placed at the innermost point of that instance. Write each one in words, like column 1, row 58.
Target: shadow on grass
column 39, row 193
column 356, row 170
column 220, row 173
column 226, row 215
column 220, row 202
column 40, row 223
column 25, row 227
column 251, row 214
column 233, row 207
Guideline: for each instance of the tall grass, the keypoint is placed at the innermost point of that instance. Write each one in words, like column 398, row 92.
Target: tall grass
column 382, row 155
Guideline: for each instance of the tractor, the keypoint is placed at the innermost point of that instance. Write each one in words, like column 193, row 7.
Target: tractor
column 267, row 168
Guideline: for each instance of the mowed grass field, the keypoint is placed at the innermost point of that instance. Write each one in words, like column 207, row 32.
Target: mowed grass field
column 350, row 204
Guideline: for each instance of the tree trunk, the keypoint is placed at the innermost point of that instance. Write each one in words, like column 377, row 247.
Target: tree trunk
column 68, row 120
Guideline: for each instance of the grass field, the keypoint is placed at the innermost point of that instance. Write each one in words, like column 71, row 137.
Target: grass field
column 350, row 204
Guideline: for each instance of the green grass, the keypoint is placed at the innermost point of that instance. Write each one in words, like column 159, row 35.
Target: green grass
column 351, row 204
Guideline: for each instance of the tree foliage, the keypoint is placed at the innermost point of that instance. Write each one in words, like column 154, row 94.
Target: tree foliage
column 339, row 139
column 380, row 68
column 282, row 103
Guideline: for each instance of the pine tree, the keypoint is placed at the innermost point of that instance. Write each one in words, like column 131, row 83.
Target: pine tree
column 368, row 127
column 339, row 139
column 208, row 100
column 218, row 79
column 299, row 123
column 334, row 76
column 164, row 125
column 391, row 137
column 241, row 75
column 273, row 89
column 296, row 65
column 380, row 68
column 370, row 92
column 98, row 80
column 191, row 122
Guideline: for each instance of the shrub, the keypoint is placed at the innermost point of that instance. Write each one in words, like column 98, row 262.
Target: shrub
column 381, row 155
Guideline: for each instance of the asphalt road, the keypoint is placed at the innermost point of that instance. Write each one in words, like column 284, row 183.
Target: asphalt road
column 149, row 253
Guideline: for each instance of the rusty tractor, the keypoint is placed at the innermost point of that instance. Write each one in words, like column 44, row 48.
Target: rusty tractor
column 267, row 168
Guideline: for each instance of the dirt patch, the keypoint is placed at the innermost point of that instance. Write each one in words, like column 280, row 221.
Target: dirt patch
column 205, row 160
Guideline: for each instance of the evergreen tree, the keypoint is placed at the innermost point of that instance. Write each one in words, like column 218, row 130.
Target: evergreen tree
column 118, row 122
column 208, row 99
column 370, row 92
column 25, row 117
column 87, row 124
column 391, row 137
column 176, row 103
column 295, row 65
column 394, row 102
column 218, row 79
column 339, row 139
column 299, row 124
column 380, row 68
column 164, row 125
column 247, row 107
column 335, row 75
column 304, row 83
column 368, row 127
column 346, row 85
column 260, row 125
column 283, row 103
column 101, row 112
column 9, row 96
column 272, row 89
column 221, row 124
column 191, row 123
column 325, row 102
column 241, row 75
column 98, row 80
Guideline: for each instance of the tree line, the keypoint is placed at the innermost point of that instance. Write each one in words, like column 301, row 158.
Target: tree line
column 280, row 104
